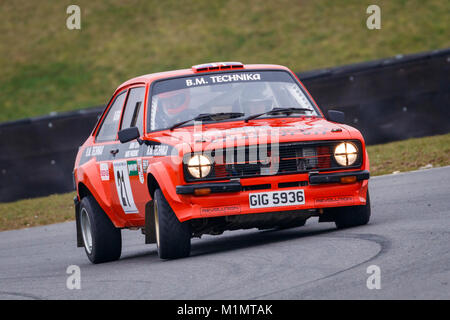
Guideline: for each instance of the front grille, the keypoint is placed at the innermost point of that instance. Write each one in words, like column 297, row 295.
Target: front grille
column 256, row 187
column 292, row 184
column 289, row 158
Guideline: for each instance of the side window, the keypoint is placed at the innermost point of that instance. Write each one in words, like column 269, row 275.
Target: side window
column 110, row 124
column 134, row 109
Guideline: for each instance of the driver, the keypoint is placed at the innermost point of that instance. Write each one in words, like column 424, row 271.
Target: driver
column 255, row 98
column 172, row 107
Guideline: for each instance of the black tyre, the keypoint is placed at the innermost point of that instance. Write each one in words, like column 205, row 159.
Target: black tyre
column 347, row 217
column 173, row 238
column 102, row 240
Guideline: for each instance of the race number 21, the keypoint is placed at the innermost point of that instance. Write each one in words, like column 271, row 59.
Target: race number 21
column 123, row 187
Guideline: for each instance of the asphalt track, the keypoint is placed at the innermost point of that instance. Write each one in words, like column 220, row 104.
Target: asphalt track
column 408, row 238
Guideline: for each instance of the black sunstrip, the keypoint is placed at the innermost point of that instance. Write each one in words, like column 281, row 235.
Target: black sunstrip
column 220, row 78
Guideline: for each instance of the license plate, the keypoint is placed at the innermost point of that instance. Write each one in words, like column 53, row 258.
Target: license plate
column 276, row 198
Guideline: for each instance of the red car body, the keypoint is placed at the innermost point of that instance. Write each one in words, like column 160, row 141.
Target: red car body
column 155, row 161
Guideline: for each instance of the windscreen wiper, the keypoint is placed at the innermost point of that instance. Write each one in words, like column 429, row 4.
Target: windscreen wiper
column 287, row 111
column 210, row 116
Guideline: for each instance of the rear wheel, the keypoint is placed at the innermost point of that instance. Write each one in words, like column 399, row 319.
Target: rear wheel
column 346, row 217
column 102, row 240
column 173, row 238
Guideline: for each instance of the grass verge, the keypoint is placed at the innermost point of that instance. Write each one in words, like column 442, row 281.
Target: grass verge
column 385, row 158
column 36, row 212
column 45, row 67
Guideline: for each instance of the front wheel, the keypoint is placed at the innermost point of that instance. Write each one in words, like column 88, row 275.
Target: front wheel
column 102, row 240
column 173, row 238
column 346, row 217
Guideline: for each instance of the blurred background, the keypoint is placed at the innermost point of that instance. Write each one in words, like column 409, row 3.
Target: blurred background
column 393, row 82
column 46, row 68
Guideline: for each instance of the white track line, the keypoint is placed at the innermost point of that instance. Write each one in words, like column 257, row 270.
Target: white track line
column 413, row 171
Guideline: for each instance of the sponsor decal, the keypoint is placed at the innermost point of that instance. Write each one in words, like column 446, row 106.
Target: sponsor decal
column 134, row 145
column 157, row 150
column 236, row 77
column 131, row 153
column 334, row 200
column 117, row 115
column 145, row 165
column 104, row 171
column 123, row 187
column 196, row 82
column 140, row 170
column 219, row 211
column 232, row 77
column 132, row 168
column 94, row 151
column 97, row 150
column 153, row 112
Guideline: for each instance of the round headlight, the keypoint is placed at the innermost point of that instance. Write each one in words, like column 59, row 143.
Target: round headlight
column 199, row 166
column 346, row 153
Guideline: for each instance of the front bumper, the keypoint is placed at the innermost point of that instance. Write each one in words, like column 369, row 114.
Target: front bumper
column 321, row 190
column 220, row 187
column 317, row 178
column 235, row 186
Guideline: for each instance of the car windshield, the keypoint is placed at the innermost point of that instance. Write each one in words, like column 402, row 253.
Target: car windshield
column 248, row 93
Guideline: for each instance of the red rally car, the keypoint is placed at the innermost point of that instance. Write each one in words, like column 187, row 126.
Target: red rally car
column 219, row 146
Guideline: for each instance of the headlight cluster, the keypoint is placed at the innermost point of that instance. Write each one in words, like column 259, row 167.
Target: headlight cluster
column 199, row 166
column 346, row 153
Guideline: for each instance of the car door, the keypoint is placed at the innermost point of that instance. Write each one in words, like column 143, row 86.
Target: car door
column 129, row 177
column 105, row 143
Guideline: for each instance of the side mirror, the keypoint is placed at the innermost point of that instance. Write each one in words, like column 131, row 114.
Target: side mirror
column 336, row 116
column 129, row 134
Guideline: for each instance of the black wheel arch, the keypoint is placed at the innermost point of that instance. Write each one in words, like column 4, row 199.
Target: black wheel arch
column 83, row 191
column 149, row 231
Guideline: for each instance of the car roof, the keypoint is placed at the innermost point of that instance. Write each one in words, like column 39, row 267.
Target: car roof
column 148, row 78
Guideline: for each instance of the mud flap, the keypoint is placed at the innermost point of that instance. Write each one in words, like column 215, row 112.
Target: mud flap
column 150, row 234
column 328, row 215
column 80, row 243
